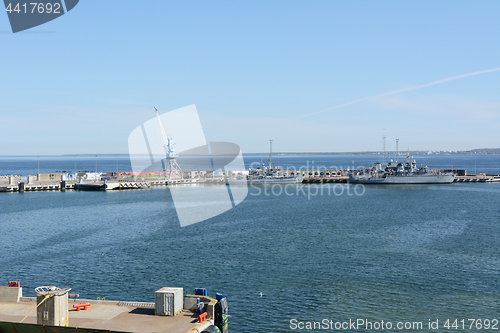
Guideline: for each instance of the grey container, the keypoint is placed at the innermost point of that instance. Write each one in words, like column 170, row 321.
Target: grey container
column 168, row 301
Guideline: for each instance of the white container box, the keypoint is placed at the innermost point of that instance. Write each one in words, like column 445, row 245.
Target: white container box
column 168, row 301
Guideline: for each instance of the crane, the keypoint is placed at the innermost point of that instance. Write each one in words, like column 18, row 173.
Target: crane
column 168, row 145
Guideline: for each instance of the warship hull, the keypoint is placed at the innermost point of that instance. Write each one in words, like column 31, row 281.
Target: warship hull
column 275, row 180
column 409, row 179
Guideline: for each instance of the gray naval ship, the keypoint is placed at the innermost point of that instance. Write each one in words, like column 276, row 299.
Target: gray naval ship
column 400, row 173
column 271, row 174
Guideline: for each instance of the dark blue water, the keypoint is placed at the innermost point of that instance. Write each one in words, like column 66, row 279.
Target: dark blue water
column 30, row 165
column 398, row 254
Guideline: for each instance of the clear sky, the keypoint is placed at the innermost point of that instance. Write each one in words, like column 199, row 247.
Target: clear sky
column 256, row 70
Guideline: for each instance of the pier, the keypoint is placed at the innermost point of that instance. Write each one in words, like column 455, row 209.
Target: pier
column 325, row 180
column 105, row 316
column 477, row 179
column 30, row 184
column 56, row 310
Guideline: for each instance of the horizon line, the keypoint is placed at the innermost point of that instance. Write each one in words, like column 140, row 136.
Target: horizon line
column 275, row 153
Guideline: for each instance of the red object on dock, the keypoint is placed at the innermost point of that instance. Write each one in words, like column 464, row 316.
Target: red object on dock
column 81, row 305
column 202, row 317
column 14, row 284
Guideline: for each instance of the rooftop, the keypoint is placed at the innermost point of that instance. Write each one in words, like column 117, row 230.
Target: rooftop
column 106, row 315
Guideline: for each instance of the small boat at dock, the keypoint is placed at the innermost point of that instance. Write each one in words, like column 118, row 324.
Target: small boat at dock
column 90, row 187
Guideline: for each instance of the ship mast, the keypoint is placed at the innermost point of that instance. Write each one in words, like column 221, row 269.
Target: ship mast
column 168, row 145
column 271, row 155
column 383, row 144
column 397, row 153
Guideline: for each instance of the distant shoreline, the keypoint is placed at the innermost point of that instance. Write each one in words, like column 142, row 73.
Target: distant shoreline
column 482, row 151
column 492, row 151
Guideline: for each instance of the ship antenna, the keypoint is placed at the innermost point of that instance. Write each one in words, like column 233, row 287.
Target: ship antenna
column 383, row 144
column 397, row 154
column 271, row 155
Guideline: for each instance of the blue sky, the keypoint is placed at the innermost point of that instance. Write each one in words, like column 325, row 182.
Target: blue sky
column 256, row 70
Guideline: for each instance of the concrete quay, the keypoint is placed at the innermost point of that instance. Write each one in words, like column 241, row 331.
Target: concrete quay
column 477, row 179
column 112, row 184
column 55, row 310
column 107, row 316
column 17, row 184
column 325, row 180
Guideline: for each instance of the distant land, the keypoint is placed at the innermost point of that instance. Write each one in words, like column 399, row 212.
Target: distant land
column 392, row 152
column 401, row 152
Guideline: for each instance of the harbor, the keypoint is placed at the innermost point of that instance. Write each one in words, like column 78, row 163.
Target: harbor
column 125, row 244
column 250, row 167
column 31, row 184
column 258, row 173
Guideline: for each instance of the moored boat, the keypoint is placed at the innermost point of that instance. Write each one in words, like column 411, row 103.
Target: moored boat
column 90, row 187
column 400, row 173
column 271, row 174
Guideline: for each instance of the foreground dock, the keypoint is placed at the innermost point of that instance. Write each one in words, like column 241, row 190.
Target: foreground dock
column 54, row 311
column 106, row 316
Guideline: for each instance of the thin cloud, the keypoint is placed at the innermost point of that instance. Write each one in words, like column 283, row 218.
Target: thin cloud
column 407, row 89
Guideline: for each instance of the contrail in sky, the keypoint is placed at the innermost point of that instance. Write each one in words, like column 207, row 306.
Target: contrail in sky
column 407, row 89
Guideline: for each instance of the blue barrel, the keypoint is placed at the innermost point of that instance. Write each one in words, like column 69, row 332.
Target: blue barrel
column 200, row 291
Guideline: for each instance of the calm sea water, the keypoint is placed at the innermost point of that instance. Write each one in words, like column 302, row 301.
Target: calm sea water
column 397, row 254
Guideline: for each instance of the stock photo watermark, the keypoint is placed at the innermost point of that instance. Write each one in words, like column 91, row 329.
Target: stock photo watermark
column 309, row 191
column 25, row 15
column 375, row 325
column 310, row 169
column 173, row 144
